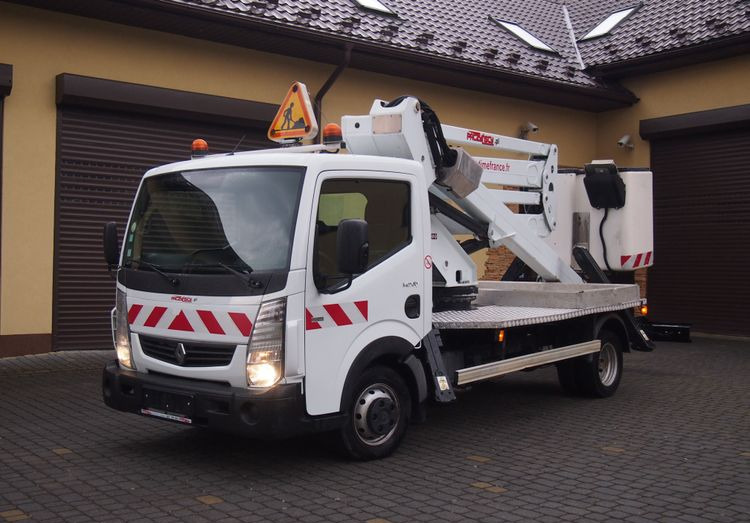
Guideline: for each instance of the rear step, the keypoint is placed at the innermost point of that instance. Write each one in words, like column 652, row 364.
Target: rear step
column 498, row 368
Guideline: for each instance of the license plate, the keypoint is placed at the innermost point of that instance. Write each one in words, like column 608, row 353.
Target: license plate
column 167, row 415
column 168, row 405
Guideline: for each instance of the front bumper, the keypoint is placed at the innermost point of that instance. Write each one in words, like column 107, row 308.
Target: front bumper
column 275, row 413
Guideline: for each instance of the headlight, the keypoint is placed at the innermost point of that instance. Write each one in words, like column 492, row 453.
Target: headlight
column 265, row 351
column 122, row 332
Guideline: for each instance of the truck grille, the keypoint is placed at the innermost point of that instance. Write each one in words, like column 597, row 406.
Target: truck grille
column 196, row 354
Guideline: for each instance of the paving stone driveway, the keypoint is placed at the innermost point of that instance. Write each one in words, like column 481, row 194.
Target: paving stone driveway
column 672, row 445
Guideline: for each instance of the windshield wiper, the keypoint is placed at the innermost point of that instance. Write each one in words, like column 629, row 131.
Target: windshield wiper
column 244, row 275
column 160, row 271
column 209, row 249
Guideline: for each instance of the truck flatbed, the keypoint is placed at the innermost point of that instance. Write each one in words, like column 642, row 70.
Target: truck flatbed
column 515, row 304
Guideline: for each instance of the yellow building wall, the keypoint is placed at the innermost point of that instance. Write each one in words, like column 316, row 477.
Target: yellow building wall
column 713, row 85
column 41, row 44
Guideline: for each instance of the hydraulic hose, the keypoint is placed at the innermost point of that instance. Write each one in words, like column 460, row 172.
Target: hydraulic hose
column 601, row 235
column 442, row 154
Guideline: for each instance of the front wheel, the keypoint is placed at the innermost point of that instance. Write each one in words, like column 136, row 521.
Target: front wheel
column 378, row 412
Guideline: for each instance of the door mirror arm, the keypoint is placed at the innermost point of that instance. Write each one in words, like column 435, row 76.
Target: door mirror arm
column 335, row 289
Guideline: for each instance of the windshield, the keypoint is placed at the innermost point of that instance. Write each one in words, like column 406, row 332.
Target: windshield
column 204, row 221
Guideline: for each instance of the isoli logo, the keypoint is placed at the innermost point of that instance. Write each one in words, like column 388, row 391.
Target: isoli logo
column 428, row 262
column 184, row 299
column 477, row 136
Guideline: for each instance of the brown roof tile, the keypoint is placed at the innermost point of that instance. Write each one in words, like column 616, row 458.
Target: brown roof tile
column 658, row 26
column 462, row 31
column 467, row 31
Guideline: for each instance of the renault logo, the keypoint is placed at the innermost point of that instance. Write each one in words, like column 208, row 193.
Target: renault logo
column 180, row 353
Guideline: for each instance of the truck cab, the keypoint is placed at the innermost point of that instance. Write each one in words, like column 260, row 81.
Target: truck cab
column 230, row 278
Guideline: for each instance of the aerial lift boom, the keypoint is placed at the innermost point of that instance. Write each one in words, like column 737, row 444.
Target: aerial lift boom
column 406, row 128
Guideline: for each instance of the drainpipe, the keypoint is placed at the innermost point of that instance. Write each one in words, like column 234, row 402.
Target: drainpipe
column 329, row 83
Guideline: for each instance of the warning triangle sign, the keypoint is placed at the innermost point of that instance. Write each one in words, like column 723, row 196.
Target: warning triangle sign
column 296, row 118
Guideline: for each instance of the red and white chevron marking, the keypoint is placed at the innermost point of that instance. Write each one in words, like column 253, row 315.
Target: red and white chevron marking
column 634, row 261
column 335, row 315
column 200, row 321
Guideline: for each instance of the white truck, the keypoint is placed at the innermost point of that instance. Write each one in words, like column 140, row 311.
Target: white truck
column 291, row 290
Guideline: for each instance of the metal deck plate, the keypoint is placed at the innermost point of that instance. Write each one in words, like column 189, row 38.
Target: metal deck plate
column 504, row 316
column 555, row 295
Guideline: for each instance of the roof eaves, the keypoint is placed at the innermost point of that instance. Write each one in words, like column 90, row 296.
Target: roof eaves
column 474, row 76
column 502, row 82
column 256, row 32
column 674, row 58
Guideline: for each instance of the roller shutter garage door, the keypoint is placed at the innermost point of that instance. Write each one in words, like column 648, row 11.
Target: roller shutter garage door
column 101, row 159
column 702, row 231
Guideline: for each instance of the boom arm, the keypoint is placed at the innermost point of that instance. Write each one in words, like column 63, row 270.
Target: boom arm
column 521, row 233
column 400, row 131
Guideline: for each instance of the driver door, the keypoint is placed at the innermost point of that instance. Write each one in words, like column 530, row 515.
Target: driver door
column 385, row 300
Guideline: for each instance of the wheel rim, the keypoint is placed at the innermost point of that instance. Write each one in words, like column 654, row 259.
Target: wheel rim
column 376, row 414
column 608, row 364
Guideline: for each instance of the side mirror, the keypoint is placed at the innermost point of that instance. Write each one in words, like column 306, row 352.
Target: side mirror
column 109, row 239
column 352, row 247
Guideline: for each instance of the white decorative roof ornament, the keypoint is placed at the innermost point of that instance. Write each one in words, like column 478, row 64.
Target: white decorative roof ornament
column 609, row 23
column 526, row 36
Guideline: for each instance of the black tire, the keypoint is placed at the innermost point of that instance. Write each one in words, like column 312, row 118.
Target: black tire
column 582, row 376
column 601, row 381
column 377, row 414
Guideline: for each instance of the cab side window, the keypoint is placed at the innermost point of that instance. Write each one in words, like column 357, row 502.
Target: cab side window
column 384, row 204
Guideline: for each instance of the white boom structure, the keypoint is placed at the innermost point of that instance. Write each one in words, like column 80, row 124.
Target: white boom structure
column 398, row 131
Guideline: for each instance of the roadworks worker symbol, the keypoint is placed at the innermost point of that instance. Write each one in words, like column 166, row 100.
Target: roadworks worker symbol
column 296, row 118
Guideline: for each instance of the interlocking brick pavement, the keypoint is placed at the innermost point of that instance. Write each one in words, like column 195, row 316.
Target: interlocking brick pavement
column 672, row 445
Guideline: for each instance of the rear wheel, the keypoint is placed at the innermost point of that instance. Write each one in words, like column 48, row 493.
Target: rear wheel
column 597, row 374
column 377, row 415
